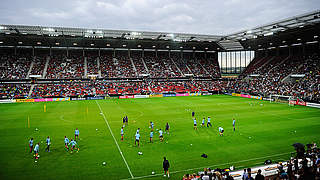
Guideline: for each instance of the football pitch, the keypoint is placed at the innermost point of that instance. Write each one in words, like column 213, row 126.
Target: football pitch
column 264, row 130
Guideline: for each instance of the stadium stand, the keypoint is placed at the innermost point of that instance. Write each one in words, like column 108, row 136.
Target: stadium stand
column 61, row 67
column 14, row 91
column 14, row 67
column 38, row 65
column 271, row 80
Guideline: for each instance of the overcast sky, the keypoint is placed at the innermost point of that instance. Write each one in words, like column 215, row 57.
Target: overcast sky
column 218, row 17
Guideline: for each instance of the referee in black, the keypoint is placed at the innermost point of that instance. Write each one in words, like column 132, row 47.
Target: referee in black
column 166, row 166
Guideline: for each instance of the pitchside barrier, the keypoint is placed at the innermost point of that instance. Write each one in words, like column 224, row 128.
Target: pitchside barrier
column 156, row 95
column 169, row 95
column 294, row 102
column 247, row 96
column 95, row 98
column 7, row 101
column 43, row 100
column 313, row 105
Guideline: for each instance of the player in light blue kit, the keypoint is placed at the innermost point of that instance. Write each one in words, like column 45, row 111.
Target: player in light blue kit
column 195, row 124
column 234, row 124
column 122, row 133
column 137, row 139
column 203, row 122
column 151, row 136
column 76, row 134
column 48, row 142
column 209, row 122
column 161, row 135
column 31, row 145
column 66, row 143
column 73, row 145
column 36, row 150
column 151, row 125
column 221, row 130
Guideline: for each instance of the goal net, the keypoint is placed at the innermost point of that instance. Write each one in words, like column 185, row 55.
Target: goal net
column 283, row 99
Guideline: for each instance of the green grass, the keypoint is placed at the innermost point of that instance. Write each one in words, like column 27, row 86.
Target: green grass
column 271, row 127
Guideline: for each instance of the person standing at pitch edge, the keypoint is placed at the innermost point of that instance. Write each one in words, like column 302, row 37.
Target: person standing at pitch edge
column 166, row 166
column 76, row 134
column 31, row 145
column 48, row 142
column 234, row 124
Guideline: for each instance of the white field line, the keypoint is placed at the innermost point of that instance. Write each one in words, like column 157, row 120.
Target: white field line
column 124, row 159
column 216, row 165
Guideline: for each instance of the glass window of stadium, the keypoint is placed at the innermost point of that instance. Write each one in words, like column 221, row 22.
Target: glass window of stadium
column 234, row 62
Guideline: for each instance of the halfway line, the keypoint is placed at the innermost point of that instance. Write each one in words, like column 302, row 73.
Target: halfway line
column 105, row 119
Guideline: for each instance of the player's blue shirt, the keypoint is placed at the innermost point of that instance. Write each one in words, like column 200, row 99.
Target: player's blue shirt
column 151, row 134
column 66, row 140
column 202, row 121
column 73, row 143
column 234, row 122
column 160, row 133
column 209, row 119
column 31, row 142
column 137, row 136
column 220, row 129
column 194, row 121
column 152, row 125
column 48, row 141
column 36, row 148
column 121, row 131
column 76, row 132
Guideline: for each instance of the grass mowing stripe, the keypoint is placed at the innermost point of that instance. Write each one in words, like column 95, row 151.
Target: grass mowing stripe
column 216, row 165
column 124, row 159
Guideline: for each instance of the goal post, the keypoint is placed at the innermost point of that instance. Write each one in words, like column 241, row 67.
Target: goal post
column 291, row 100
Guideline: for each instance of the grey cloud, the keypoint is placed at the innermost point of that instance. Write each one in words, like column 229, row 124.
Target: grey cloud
column 190, row 16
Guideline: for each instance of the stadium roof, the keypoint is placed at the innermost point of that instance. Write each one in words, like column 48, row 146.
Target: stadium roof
column 102, row 38
column 299, row 21
column 103, row 33
column 21, row 35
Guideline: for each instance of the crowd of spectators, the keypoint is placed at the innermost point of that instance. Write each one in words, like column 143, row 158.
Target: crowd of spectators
column 120, row 66
column 38, row 65
column 124, row 68
column 107, row 66
column 102, row 87
column 61, row 67
column 158, row 68
column 304, row 166
column 92, row 65
column 183, row 65
column 116, row 67
column 212, row 66
column 14, row 91
column 196, row 69
column 138, row 63
column 271, row 79
column 14, row 67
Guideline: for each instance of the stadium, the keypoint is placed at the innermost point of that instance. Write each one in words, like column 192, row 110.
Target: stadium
column 94, row 103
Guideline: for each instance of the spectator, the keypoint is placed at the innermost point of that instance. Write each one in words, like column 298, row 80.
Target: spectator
column 259, row 176
column 166, row 166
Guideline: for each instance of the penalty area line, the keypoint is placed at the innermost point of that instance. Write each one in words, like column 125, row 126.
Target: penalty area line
column 124, row 159
column 216, row 165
